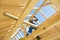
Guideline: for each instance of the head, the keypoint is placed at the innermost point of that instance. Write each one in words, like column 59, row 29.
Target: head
column 34, row 18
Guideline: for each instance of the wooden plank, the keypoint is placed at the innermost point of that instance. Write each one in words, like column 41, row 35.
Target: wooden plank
column 23, row 16
column 51, row 32
column 56, row 3
column 43, row 4
column 53, row 19
column 14, row 2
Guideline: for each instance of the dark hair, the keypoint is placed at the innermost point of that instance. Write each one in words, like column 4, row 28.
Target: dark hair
column 31, row 21
column 36, row 18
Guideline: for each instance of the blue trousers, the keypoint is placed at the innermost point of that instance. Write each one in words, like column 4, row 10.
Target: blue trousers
column 30, row 29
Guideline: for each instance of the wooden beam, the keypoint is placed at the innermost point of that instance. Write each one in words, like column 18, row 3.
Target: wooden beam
column 11, row 16
column 26, row 22
column 11, row 6
column 14, row 2
column 53, row 6
column 53, row 19
column 43, row 14
column 28, row 9
column 6, row 30
column 56, row 3
column 4, row 24
column 2, row 35
column 43, row 4
column 51, row 32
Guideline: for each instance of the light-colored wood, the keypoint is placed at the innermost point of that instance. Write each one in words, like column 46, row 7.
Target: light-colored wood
column 14, row 7
column 14, row 2
column 51, row 33
column 19, row 9
column 23, row 16
column 47, row 23
column 43, row 4
column 56, row 3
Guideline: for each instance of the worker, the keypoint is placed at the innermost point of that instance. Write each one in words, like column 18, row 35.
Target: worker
column 34, row 19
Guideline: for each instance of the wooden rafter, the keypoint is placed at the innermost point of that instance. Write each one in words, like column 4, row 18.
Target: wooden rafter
column 23, row 16
column 54, row 18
